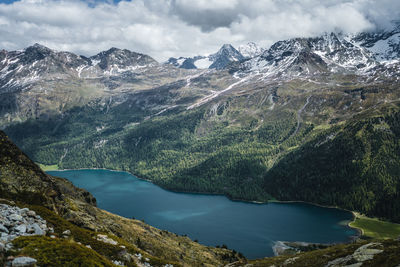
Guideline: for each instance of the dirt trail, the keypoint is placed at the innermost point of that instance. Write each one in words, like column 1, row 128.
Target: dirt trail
column 299, row 119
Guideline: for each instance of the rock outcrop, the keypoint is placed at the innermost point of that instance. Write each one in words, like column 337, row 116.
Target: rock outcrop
column 15, row 222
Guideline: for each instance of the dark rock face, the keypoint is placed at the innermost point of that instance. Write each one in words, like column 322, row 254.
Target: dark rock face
column 226, row 55
column 35, row 53
column 188, row 64
column 121, row 58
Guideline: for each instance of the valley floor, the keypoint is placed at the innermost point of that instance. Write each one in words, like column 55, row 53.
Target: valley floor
column 375, row 228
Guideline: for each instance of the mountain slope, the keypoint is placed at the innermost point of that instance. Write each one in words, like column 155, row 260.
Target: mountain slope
column 355, row 167
column 39, row 82
column 23, row 180
column 228, row 148
column 384, row 43
column 310, row 56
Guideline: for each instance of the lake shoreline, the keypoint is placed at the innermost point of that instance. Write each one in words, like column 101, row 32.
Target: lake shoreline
column 215, row 194
column 171, row 190
column 343, row 222
column 348, row 224
column 221, row 194
column 354, row 213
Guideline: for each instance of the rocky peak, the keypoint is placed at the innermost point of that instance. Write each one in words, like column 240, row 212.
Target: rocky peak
column 226, row 55
column 250, row 50
column 369, row 38
column 229, row 51
column 35, row 52
column 118, row 58
column 328, row 52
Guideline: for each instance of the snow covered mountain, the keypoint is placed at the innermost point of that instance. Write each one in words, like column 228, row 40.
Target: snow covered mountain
column 333, row 52
column 31, row 79
column 117, row 60
column 20, row 68
column 250, row 50
column 39, row 81
column 226, row 55
column 384, row 44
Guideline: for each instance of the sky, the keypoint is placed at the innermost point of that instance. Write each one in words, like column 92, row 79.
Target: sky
column 165, row 28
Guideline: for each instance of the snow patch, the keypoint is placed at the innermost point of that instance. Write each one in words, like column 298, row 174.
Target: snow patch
column 180, row 61
column 216, row 94
column 95, row 62
column 203, row 63
column 384, row 49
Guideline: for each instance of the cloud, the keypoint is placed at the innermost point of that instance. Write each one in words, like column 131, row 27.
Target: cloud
column 164, row 28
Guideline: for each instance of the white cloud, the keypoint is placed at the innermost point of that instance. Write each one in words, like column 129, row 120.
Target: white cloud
column 163, row 28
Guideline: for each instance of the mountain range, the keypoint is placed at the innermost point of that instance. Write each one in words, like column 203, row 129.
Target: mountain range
column 309, row 119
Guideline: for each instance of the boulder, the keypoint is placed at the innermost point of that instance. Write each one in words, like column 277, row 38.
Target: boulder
column 23, row 261
column 31, row 213
column 365, row 253
column 23, row 211
column 21, row 228
column 106, row 239
column 11, row 237
column 15, row 217
column 4, row 237
column 67, row 232
column 37, row 230
column 9, row 246
column 3, row 229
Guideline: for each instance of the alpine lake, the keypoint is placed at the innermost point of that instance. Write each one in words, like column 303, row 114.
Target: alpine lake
column 249, row 228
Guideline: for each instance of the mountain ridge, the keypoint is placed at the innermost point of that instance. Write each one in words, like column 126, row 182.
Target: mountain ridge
column 219, row 60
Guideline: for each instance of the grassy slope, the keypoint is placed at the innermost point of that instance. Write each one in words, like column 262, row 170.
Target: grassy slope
column 59, row 252
column 46, row 168
column 375, row 228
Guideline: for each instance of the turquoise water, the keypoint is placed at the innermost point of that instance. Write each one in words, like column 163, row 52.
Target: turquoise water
column 213, row 220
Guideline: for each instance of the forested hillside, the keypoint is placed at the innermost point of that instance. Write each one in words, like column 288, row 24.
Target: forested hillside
column 355, row 166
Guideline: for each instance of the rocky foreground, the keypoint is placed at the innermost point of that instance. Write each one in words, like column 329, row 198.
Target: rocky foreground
column 16, row 222
column 373, row 253
column 22, row 222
